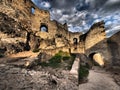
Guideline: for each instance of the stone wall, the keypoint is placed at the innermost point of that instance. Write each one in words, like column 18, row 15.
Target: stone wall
column 95, row 35
column 96, row 42
column 42, row 18
column 15, row 23
column 22, row 18
column 12, row 35
column 114, row 48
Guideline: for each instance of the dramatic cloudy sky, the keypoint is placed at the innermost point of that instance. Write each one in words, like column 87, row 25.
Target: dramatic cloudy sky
column 81, row 14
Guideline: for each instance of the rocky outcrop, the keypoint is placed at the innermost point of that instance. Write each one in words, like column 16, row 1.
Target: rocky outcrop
column 11, row 27
column 12, row 35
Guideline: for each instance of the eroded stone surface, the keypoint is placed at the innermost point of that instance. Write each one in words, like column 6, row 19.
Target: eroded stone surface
column 17, row 20
column 14, row 78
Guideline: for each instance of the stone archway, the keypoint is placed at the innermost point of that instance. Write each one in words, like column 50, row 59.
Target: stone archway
column 32, row 10
column 44, row 28
column 75, row 41
column 97, row 58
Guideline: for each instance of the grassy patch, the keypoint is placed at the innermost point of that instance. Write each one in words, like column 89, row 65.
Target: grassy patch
column 83, row 72
column 61, row 60
column 1, row 55
column 66, row 58
column 55, row 61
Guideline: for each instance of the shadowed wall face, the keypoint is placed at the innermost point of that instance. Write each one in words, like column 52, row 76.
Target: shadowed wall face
column 96, row 41
column 114, row 47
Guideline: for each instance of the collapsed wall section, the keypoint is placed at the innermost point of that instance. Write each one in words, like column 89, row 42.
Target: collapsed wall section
column 96, row 42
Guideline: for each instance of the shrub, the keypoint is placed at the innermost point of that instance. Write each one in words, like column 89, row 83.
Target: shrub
column 60, row 60
column 54, row 62
column 1, row 55
column 56, row 59
column 83, row 72
column 66, row 57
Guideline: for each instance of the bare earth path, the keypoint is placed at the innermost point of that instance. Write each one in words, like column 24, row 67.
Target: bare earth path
column 99, row 80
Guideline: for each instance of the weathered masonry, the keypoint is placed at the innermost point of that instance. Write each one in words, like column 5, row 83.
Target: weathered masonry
column 23, row 26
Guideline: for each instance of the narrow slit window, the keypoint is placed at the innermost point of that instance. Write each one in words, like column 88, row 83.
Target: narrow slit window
column 75, row 41
column 33, row 10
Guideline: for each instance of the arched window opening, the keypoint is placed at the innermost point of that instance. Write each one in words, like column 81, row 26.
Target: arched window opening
column 91, row 55
column 43, row 28
column 32, row 10
column 96, row 59
column 75, row 42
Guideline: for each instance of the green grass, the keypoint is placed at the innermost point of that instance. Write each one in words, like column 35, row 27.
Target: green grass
column 60, row 60
column 66, row 58
column 83, row 72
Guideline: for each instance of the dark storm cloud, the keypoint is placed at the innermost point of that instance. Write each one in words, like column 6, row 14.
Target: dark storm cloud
column 111, row 6
column 81, row 14
column 95, row 4
column 82, row 5
column 60, row 4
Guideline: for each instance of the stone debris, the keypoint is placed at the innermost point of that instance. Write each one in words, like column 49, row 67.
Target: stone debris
column 15, row 78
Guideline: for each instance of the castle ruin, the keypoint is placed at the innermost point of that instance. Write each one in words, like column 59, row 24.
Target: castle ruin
column 23, row 26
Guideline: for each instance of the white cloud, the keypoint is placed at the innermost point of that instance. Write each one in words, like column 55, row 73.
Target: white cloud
column 97, row 20
column 85, row 16
column 95, row 16
column 83, row 22
column 112, row 1
column 108, row 23
column 116, row 16
column 112, row 31
column 46, row 4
